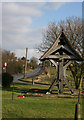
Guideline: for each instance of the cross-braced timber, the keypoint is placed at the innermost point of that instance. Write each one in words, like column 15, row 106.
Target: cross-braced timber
column 61, row 54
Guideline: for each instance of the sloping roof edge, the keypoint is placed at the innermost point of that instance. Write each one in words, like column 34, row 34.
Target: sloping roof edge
column 78, row 55
column 51, row 45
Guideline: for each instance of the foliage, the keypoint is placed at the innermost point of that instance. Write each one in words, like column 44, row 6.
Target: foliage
column 77, row 72
column 7, row 79
column 33, row 62
column 72, row 27
column 7, row 56
column 73, row 30
column 14, row 65
column 47, row 63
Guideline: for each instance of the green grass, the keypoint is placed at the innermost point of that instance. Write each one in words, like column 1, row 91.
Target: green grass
column 53, row 73
column 35, row 107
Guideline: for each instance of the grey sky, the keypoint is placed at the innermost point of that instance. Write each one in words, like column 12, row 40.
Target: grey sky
column 21, row 27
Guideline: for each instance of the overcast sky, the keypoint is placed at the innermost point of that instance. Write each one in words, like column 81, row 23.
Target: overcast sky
column 24, row 22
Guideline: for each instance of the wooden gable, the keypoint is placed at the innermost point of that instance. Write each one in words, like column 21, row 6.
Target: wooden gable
column 61, row 48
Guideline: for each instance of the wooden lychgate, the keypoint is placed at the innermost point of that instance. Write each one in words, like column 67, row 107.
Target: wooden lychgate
column 61, row 54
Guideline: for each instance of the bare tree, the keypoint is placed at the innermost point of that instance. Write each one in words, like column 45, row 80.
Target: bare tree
column 33, row 62
column 49, row 36
column 73, row 29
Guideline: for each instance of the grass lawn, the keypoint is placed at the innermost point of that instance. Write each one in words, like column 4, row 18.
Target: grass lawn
column 36, row 107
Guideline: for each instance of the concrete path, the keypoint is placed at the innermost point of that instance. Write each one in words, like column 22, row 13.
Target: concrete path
column 37, row 72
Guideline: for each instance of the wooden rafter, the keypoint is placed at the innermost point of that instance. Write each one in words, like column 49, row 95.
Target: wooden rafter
column 60, row 54
column 62, row 44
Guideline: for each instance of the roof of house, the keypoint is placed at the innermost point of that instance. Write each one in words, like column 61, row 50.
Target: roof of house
column 61, row 48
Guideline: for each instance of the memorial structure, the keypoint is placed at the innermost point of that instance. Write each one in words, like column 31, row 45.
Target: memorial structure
column 61, row 54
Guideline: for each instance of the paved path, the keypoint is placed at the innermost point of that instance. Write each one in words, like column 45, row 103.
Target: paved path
column 35, row 83
column 37, row 72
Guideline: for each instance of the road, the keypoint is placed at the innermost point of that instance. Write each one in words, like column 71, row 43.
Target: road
column 37, row 72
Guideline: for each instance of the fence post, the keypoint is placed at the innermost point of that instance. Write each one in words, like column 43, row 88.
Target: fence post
column 32, row 81
column 13, row 92
column 77, row 109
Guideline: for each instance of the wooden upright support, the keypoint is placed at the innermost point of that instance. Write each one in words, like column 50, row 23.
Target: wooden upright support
column 60, row 76
column 64, row 70
column 63, row 52
column 65, row 67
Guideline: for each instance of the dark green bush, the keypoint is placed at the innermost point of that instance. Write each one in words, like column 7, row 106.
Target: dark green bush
column 7, row 79
column 14, row 67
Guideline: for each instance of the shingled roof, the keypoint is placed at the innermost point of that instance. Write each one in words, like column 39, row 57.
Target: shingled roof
column 61, row 48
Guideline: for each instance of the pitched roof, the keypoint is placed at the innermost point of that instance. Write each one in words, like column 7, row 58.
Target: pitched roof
column 62, row 46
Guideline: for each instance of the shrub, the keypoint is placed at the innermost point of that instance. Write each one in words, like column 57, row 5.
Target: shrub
column 7, row 79
column 14, row 67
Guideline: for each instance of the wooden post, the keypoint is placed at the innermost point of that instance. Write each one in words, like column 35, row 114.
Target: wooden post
column 13, row 92
column 57, row 78
column 25, row 64
column 65, row 67
column 77, row 109
column 57, row 71
column 64, row 73
column 61, row 76
column 32, row 81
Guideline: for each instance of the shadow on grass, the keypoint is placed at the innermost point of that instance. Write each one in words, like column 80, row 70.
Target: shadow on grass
column 37, row 83
column 23, row 88
column 43, row 91
column 17, row 89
